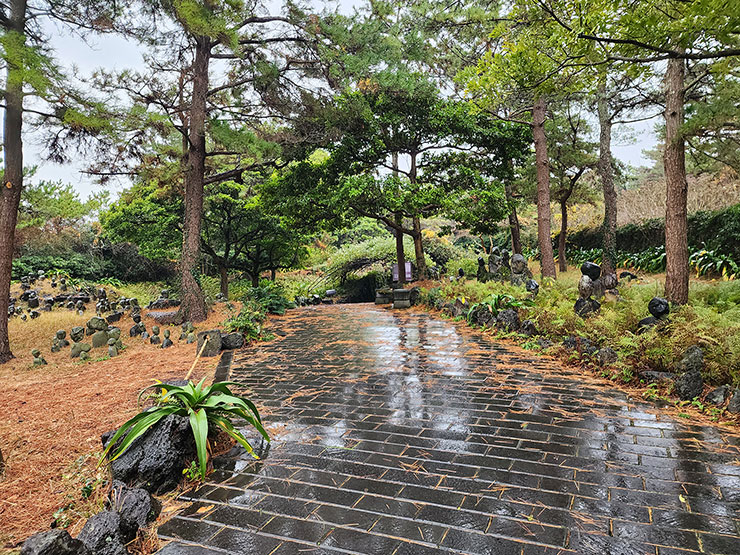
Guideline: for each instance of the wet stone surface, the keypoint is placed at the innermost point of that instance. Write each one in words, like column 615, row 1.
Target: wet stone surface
column 396, row 432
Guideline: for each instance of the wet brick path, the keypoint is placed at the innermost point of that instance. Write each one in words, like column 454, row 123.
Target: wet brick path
column 398, row 433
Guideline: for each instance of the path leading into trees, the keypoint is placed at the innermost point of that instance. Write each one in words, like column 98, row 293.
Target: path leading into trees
column 396, row 432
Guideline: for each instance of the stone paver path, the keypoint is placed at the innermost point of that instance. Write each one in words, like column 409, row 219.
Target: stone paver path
column 396, row 432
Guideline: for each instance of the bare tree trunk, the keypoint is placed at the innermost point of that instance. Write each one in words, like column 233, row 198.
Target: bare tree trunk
column 421, row 265
column 562, row 263
column 193, row 306
column 255, row 279
column 224, row 272
column 547, row 259
column 606, row 173
column 10, row 190
column 400, row 255
column 273, row 274
column 516, row 236
column 674, row 163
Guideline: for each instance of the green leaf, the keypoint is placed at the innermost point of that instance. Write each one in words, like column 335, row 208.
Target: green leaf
column 199, row 425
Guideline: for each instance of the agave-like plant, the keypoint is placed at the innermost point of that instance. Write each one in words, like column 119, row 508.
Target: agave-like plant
column 203, row 405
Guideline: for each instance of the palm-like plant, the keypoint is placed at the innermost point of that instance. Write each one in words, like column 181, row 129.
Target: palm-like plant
column 203, row 405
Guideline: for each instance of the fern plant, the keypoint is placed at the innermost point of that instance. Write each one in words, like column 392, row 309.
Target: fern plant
column 203, row 405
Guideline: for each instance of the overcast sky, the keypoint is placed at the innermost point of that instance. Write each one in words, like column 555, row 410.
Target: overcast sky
column 114, row 52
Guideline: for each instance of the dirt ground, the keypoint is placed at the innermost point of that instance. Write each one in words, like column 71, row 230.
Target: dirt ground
column 52, row 417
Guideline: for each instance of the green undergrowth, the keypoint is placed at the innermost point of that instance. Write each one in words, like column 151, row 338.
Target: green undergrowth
column 711, row 320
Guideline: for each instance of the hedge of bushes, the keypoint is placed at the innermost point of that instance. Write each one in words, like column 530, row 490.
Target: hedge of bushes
column 121, row 261
column 716, row 230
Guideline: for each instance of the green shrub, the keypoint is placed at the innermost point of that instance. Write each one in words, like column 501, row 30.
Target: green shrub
column 270, row 296
column 249, row 320
column 715, row 231
column 203, row 405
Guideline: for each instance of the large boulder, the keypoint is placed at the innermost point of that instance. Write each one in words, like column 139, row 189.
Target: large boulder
column 102, row 534
column 689, row 385
column 155, row 460
column 213, row 348
column 508, row 319
column 482, row 315
column 230, row 341
column 54, row 542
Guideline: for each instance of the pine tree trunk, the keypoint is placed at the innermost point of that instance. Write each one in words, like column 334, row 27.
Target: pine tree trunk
column 674, row 162
column 542, row 162
column 563, row 234
column 606, row 173
column 400, row 255
column 10, row 193
column 224, row 272
column 421, row 265
column 193, row 306
column 516, row 236
column 256, row 279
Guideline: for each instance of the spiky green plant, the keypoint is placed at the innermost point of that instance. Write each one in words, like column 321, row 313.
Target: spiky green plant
column 203, row 405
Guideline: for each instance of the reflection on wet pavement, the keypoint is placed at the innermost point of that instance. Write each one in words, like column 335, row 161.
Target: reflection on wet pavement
column 396, row 432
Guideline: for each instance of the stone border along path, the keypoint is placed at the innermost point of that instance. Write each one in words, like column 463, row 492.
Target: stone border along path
column 398, row 433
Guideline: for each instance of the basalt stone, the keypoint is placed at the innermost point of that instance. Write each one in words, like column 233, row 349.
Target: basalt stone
column 482, row 315
column 33, row 302
column 112, row 349
column 191, row 338
column 482, row 273
column 460, row 273
column 114, row 332
column 718, row 396
column 54, row 542
column 609, row 281
column 584, row 307
column 659, row 307
column 415, row 296
column 734, row 405
column 692, row 360
column 232, row 341
column 647, row 323
column 689, row 385
column 77, row 333
column 518, row 264
column 459, row 307
column 99, row 339
column 606, row 356
column 136, row 506
column 34, row 314
column 629, row 276
column 97, row 324
column 166, row 342
column 155, row 460
column 508, row 319
column 38, row 360
column 585, row 286
column 115, row 317
column 136, row 317
column 532, row 286
column 528, row 328
column 544, row 343
column 213, row 348
column 102, row 534
column 79, row 348
column 591, row 270
column 401, row 298
column 187, row 327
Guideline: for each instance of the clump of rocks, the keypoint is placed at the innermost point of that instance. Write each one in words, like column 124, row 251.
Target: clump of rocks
column 659, row 308
column 588, row 286
column 520, row 272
